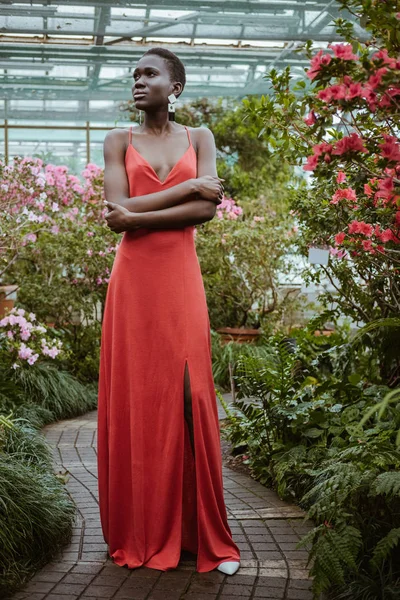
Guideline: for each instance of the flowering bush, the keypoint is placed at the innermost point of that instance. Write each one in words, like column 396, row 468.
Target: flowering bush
column 346, row 128
column 56, row 247
column 24, row 341
column 45, row 200
column 242, row 257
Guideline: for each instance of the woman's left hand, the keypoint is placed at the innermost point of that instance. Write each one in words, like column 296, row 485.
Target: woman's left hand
column 118, row 218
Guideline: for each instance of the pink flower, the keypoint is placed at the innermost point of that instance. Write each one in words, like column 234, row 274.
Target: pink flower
column 320, row 59
column 354, row 91
column 25, row 334
column 338, row 92
column 385, row 58
column 390, row 149
column 344, row 194
column 339, row 237
column 367, row 190
column 341, row 176
column 367, row 245
column 361, row 227
column 25, row 352
column 351, row 143
column 343, row 51
column 325, row 95
column 32, row 359
column 319, row 149
column 310, row 119
column 55, row 229
column 385, row 189
column 376, row 79
column 311, row 164
column 386, row 235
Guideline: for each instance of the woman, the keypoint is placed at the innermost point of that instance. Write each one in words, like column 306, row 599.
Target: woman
column 159, row 457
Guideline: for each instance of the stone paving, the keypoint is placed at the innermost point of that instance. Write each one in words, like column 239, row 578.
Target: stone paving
column 265, row 528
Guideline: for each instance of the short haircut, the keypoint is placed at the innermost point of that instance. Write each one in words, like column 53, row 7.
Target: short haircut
column 175, row 66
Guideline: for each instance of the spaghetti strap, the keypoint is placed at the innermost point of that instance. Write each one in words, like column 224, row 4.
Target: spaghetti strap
column 130, row 135
column 187, row 131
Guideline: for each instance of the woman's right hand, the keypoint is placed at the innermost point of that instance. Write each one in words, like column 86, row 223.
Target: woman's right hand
column 210, row 187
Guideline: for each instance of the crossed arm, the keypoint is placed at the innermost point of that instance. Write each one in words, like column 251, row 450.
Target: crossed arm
column 174, row 207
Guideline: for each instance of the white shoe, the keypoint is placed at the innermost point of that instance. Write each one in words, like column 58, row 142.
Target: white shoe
column 228, row 567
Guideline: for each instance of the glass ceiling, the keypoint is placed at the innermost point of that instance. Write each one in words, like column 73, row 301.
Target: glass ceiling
column 73, row 60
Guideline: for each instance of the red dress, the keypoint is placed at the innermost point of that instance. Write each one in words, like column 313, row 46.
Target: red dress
column 155, row 498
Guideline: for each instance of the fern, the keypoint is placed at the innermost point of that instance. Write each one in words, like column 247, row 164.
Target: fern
column 333, row 554
column 384, row 547
column 387, row 484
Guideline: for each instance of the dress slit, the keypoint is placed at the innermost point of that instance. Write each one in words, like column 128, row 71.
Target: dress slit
column 189, row 487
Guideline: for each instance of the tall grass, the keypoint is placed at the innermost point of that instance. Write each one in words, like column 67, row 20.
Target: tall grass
column 36, row 513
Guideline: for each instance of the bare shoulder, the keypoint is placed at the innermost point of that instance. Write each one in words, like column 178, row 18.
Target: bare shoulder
column 117, row 139
column 202, row 136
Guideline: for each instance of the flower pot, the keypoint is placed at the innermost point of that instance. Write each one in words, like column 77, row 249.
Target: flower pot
column 238, row 334
column 8, row 295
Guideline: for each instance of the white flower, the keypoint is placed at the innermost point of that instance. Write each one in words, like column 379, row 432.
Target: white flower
column 55, row 207
column 32, row 217
column 43, row 195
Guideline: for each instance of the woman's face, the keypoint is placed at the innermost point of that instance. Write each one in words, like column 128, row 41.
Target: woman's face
column 152, row 82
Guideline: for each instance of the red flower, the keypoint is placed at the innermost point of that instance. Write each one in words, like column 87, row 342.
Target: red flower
column 366, row 229
column 340, row 177
column 344, row 193
column 320, row 59
column 385, row 189
column 339, row 237
column 312, row 162
column 390, row 149
column 310, row 119
column 367, row 245
column 367, row 190
column 376, row 79
column 338, row 92
column 343, row 51
column 321, row 148
column 351, row 143
column 325, row 95
column 354, row 91
column 383, row 56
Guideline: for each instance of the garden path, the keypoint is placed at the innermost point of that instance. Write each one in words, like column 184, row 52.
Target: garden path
column 265, row 528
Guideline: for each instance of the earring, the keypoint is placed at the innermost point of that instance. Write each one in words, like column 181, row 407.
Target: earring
column 140, row 117
column 171, row 108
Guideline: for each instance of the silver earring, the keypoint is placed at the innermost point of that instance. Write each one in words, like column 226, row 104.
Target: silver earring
column 140, row 117
column 171, row 108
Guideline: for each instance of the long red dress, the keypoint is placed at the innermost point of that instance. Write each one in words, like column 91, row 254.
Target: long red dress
column 155, row 498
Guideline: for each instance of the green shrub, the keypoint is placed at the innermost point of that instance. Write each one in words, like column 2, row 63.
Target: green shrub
column 299, row 419
column 36, row 514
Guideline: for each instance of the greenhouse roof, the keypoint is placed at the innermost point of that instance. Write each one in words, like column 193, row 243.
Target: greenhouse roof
column 76, row 57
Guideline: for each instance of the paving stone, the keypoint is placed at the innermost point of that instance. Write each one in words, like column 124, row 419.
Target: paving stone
column 68, row 588
column 269, row 592
column 299, row 595
column 101, row 591
column 39, row 586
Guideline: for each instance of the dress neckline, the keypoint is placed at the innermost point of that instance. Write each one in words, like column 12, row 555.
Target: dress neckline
column 149, row 165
